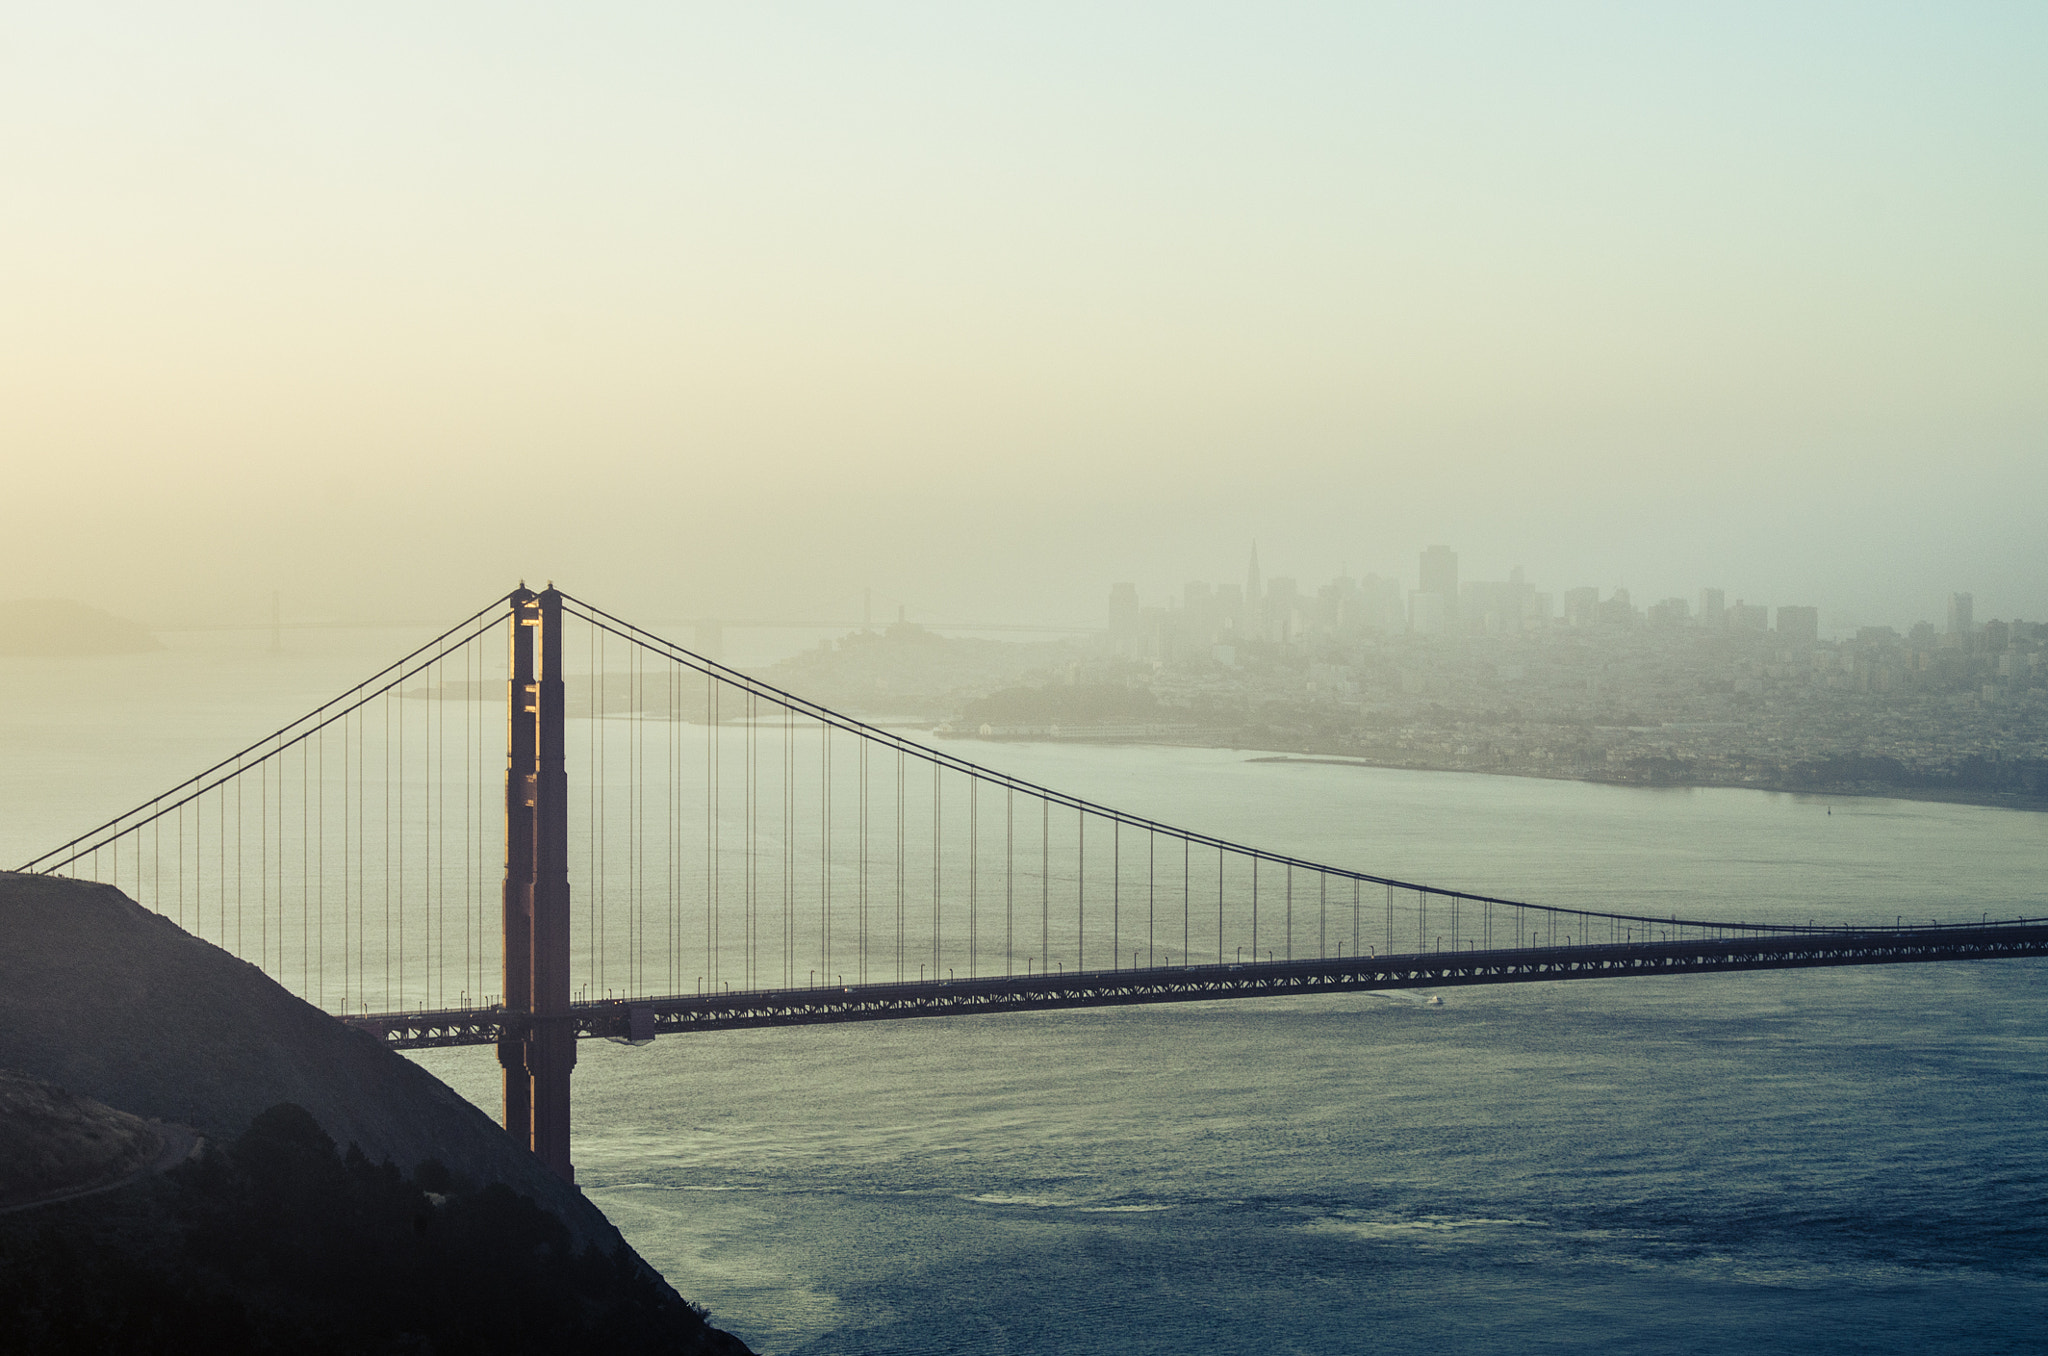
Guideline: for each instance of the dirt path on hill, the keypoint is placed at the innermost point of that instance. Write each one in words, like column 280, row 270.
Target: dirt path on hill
column 176, row 1145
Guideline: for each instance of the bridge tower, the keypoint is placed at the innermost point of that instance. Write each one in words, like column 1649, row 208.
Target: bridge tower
column 537, row 1053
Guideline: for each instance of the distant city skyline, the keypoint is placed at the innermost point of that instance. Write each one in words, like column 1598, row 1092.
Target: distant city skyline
column 1435, row 596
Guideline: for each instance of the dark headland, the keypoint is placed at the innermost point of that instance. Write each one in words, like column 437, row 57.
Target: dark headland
column 193, row 1153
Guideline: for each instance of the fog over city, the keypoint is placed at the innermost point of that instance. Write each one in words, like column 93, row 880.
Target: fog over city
column 744, row 313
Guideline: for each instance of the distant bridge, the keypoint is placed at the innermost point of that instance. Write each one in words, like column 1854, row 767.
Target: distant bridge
column 701, row 851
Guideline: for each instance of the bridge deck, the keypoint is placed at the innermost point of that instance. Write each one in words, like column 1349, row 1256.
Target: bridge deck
column 644, row 1018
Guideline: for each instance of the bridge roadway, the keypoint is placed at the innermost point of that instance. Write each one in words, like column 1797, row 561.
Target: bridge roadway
column 644, row 1018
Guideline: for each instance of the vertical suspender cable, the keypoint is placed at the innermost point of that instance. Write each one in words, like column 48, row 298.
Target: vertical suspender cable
column 644, row 800
column 825, row 848
column 788, row 847
column 1009, row 880
column 861, row 927
column 672, row 950
column 973, row 874
column 281, row 758
column 713, row 831
column 239, row 860
column 385, row 807
column 749, row 839
column 590, row 848
column 484, row 823
column 1288, row 947
column 263, row 865
column 1187, row 886
column 1081, row 890
column 397, row 701
column 636, row 901
column 439, row 787
column 311, row 986
column 362, row 792
column 601, row 682
column 674, row 836
column 900, row 958
column 348, row 875
column 472, row 847
column 1044, row 884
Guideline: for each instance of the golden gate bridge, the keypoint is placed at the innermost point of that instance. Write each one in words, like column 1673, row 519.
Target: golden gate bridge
column 656, row 843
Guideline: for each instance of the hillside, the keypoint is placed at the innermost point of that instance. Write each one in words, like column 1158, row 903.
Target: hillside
column 280, row 1242
column 55, row 1144
column 110, row 1002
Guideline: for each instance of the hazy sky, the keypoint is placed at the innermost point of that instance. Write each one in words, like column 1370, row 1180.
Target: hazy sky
column 743, row 309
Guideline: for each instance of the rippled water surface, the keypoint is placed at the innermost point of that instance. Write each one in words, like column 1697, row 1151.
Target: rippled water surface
column 1834, row 1160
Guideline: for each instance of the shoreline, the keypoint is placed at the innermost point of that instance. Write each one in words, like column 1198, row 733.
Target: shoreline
column 1997, row 800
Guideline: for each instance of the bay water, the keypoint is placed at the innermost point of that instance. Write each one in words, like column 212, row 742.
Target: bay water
column 1848, row 1160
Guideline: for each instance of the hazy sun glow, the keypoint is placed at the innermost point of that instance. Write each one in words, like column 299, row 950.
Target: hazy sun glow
column 710, row 308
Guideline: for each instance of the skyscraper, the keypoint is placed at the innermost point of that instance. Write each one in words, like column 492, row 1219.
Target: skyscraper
column 1440, row 571
column 1126, row 619
column 1254, row 595
column 1123, row 608
column 1440, row 578
column 1960, row 608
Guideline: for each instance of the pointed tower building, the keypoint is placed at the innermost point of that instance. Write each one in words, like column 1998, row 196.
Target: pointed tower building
column 1254, row 597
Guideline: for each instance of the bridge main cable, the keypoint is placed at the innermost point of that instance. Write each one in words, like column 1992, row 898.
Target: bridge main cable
column 636, row 635
column 273, row 745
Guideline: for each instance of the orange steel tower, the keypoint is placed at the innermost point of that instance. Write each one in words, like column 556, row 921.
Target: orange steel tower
column 538, row 1053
